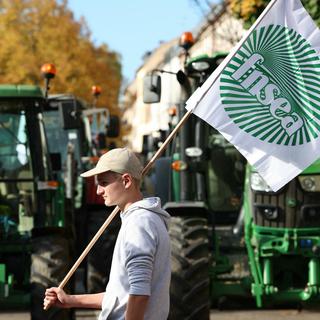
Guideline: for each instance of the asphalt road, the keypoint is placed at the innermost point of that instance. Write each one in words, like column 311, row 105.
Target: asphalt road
column 215, row 315
column 265, row 315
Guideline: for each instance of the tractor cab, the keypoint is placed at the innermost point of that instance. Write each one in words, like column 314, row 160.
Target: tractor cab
column 32, row 216
column 25, row 168
column 257, row 244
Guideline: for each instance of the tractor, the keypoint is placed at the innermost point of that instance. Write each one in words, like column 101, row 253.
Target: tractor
column 234, row 241
column 35, row 237
column 45, row 216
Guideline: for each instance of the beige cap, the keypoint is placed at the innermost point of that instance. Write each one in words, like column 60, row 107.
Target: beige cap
column 120, row 160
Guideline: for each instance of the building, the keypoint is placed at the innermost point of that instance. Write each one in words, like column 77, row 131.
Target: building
column 218, row 32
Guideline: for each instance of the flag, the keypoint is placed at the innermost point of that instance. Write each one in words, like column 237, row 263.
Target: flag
column 264, row 97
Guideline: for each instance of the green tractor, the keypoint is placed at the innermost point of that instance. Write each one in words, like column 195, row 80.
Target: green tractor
column 233, row 240
column 282, row 235
column 35, row 237
column 46, row 216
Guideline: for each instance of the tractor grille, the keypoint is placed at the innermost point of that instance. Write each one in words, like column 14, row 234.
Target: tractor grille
column 291, row 207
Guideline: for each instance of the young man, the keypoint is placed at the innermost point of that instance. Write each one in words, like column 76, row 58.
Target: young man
column 139, row 280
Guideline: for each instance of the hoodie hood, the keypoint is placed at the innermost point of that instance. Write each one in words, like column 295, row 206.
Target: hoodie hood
column 151, row 204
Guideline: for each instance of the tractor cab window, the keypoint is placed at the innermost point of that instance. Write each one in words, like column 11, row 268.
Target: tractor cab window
column 16, row 181
column 226, row 174
column 58, row 138
column 14, row 150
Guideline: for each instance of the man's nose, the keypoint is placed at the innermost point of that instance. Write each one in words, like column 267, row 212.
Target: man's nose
column 99, row 190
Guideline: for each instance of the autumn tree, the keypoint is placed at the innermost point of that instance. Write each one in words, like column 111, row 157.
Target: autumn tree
column 249, row 10
column 34, row 32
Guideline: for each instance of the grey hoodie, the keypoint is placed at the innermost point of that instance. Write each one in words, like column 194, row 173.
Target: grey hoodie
column 141, row 262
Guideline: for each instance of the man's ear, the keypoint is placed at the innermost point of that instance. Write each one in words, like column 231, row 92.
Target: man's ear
column 127, row 180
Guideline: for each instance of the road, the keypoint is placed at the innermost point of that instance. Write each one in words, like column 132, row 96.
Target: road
column 265, row 315
column 215, row 315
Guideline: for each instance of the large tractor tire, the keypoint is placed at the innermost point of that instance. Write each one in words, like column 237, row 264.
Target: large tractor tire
column 100, row 257
column 189, row 290
column 50, row 262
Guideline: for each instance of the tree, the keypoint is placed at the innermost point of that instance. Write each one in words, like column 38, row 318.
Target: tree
column 34, row 32
column 249, row 10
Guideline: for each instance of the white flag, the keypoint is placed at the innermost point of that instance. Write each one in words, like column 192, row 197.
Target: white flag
column 265, row 96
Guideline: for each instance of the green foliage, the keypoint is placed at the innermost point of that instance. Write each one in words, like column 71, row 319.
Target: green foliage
column 249, row 10
column 313, row 7
column 34, row 32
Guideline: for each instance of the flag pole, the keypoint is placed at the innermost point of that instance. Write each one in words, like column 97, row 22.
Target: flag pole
column 117, row 209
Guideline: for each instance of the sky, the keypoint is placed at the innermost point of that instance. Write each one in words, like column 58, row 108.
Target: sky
column 133, row 27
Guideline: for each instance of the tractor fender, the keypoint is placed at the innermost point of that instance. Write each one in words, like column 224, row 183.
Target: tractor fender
column 187, row 208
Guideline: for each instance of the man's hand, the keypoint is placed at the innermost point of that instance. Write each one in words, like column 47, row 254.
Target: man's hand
column 136, row 307
column 56, row 297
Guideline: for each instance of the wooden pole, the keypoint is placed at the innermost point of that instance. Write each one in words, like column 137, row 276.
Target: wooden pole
column 116, row 210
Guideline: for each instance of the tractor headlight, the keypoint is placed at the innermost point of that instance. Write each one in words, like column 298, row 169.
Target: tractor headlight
column 194, row 152
column 268, row 212
column 200, row 65
column 258, row 183
column 310, row 183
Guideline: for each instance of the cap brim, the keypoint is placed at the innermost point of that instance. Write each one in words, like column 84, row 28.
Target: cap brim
column 92, row 172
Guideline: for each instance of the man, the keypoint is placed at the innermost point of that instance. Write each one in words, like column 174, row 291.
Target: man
column 139, row 280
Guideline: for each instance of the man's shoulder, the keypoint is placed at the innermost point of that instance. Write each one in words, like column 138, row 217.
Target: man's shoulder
column 145, row 217
column 142, row 214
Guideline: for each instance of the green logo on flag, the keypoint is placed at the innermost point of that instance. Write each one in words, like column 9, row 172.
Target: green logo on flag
column 271, row 87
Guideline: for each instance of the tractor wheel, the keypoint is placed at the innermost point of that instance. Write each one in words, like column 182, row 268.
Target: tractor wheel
column 100, row 257
column 50, row 262
column 189, row 290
